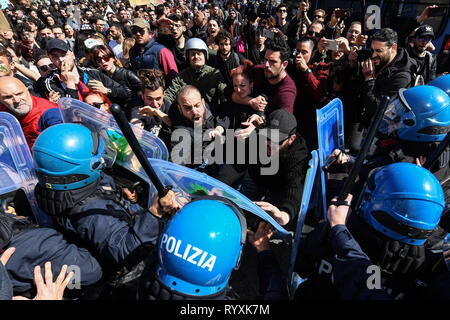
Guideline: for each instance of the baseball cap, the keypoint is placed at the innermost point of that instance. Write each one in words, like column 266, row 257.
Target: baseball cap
column 141, row 23
column 283, row 121
column 87, row 27
column 91, row 43
column 57, row 44
column 425, row 30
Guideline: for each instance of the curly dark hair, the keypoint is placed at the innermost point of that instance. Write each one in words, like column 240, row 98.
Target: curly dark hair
column 151, row 79
column 280, row 45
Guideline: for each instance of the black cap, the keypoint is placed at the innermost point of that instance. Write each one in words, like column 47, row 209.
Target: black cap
column 57, row 44
column 284, row 122
column 87, row 27
column 425, row 30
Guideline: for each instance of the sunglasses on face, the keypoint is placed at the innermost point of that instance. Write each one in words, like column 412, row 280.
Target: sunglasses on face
column 314, row 34
column 137, row 30
column 282, row 10
column 426, row 39
column 104, row 58
column 318, row 16
column 47, row 67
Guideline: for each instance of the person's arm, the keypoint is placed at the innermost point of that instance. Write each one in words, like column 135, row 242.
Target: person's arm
column 6, row 288
column 351, row 264
column 271, row 283
column 26, row 72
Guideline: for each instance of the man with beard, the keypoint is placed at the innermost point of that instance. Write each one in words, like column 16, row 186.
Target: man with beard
column 426, row 60
column 389, row 69
column 34, row 113
column 194, row 118
column 226, row 59
column 272, row 79
column 116, row 44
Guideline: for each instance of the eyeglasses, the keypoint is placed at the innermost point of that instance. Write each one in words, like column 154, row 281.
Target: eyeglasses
column 105, row 58
column 318, row 16
column 47, row 67
column 282, row 10
column 314, row 34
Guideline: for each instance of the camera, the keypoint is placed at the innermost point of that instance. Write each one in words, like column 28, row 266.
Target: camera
column 343, row 13
column 332, row 45
column 267, row 34
column 364, row 54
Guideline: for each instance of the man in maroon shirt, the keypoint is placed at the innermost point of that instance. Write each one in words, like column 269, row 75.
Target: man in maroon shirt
column 272, row 79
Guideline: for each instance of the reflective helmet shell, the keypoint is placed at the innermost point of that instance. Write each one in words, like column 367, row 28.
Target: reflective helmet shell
column 442, row 82
column 403, row 201
column 199, row 248
column 67, row 156
column 430, row 107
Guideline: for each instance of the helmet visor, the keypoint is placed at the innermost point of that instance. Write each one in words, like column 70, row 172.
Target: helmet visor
column 397, row 116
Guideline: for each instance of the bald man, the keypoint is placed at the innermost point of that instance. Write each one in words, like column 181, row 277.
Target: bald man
column 34, row 113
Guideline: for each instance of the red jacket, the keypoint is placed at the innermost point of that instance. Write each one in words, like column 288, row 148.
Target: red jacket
column 30, row 122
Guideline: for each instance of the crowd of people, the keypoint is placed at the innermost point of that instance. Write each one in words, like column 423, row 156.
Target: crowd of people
column 209, row 67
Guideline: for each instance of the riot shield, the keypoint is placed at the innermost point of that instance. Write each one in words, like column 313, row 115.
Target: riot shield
column 330, row 133
column 75, row 111
column 308, row 203
column 190, row 183
column 17, row 175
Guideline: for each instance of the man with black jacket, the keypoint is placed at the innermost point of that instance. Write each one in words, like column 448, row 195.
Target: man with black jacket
column 73, row 81
column 426, row 60
column 389, row 69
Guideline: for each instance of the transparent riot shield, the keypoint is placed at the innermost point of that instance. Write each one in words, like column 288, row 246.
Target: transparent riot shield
column 17, row 175
column 330, row 133
column 308, row 203
column 75, row 111
column 190, row 183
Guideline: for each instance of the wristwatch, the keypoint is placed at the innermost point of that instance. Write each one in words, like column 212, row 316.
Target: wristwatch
column 108, row 91
column 308, row 70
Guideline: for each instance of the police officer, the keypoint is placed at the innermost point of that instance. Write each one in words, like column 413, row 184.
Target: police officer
column 197, row 252
column 379, row 250
column 35, row 246
column 85, row 202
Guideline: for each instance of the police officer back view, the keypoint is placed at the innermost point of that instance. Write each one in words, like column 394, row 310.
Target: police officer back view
column 197, row 252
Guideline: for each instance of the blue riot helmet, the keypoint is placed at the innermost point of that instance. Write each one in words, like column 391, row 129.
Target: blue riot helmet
column 420, row 114
column 68, row 156
column 403, row 201
column 200, row 247
column 442, row 82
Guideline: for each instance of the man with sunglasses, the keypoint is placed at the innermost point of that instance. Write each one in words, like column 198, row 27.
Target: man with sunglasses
column 282, row 24
column 426, row 60
column 147, row 53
